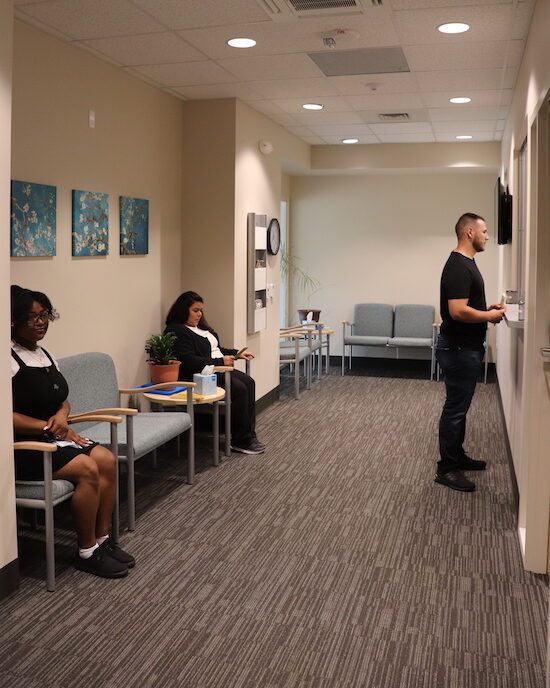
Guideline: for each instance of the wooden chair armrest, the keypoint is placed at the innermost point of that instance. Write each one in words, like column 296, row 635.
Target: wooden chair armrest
column 36, row 446
column 109, row 411
column 82, row 417
column 224, row 369
column 296, row 334
column 160, row 385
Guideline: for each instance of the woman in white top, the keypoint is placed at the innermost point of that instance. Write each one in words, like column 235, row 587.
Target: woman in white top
column 197, row 345
column 40, row 412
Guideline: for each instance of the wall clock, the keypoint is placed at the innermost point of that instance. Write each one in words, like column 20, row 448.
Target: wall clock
column 274, row 237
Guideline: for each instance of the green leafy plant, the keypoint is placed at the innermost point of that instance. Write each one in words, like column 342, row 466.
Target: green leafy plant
column 304, row 282
column 160, row 348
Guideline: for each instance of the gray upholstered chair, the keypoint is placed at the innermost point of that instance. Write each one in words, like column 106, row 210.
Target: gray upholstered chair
column 93, row 384
column 414, row 327
column 48, row 493
column 372, row 326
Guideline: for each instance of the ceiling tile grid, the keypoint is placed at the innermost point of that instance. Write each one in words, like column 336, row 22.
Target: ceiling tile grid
column 181, row 47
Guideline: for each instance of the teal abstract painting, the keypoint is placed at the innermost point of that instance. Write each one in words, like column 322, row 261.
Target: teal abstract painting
column 90, row 223
column 32, row 219
column 134, row 226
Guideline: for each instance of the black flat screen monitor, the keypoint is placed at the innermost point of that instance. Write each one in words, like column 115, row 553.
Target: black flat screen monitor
column 503, row 214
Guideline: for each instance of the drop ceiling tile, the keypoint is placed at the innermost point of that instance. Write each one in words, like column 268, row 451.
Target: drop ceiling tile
column 476, row 136
column 84, row 19
column 369, row 84
column 276, row 66
column 267, row 107
column 472, row 125
column 186, row 73
column 210, row 91
column 331, row 104
column 423, row 4
column 145, row 49
column 343, row 130
column 412, row 128
column 313, row 140
column 479, row 99
column 476, row 79
column 284, row 119
column 187, row 14
column 304, row 35
column 300, row 130
column 385, row 102
column 499, row 21
column 406, row 138
column 295, row 88
column 486, row 55
column 467, row 115
column 497, row 136
column 501, row 123
column 337, row 140
column 316, row 118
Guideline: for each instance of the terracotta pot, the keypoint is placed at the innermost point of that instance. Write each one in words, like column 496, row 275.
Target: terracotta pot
column 302, row 314
column 164, row 373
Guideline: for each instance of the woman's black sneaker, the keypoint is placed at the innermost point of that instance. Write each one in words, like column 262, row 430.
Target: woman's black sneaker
column 101, row 564
column 252, row 447
column 116, row 552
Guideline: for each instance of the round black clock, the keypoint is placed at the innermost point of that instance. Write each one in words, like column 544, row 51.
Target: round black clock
column 274, row 237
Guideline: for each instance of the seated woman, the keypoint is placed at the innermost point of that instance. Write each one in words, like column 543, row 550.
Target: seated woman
column 197, row 345
column 40, row 412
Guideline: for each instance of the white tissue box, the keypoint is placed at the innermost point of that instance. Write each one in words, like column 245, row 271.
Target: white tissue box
column 206, row 384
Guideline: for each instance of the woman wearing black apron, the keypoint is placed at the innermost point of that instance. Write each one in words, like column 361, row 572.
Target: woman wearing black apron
column 40, row 411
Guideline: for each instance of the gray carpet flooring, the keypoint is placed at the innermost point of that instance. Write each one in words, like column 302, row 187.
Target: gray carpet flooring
column 331, row 561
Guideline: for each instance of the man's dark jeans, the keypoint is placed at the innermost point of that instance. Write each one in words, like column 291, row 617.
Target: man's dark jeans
column 460, row 369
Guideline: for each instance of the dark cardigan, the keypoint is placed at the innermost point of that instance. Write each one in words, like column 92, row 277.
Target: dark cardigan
column 194, row 351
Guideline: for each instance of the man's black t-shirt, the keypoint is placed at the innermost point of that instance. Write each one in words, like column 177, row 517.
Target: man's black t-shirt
column 461, row 279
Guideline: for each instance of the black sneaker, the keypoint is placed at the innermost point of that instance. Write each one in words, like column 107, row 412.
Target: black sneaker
column 101, row 564
column 116, row 552
column 456, row 480
column 468, row 464
column 252, row 447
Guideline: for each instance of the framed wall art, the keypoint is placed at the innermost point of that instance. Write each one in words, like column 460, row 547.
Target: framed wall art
column 90, row 223
column 134, row 226
column 32, row 219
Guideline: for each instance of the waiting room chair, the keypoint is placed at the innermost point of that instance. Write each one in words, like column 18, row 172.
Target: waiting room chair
column 372, row 326
column 293, row 349
column 414, row 327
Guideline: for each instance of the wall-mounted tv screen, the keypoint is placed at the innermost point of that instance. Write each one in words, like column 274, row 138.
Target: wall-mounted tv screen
column 503, row 213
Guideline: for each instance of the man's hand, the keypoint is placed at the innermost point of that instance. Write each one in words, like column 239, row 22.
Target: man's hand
column 495, row 314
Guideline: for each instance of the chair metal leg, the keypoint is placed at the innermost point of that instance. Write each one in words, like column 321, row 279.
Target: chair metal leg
column 296, row 371
column 327, row 368
column 154, row 454
column 228, row 409
column 216, row 432
column 48, row 513
column 350, row 354
column 131, row 476
column 115, row 525
column 191, row 438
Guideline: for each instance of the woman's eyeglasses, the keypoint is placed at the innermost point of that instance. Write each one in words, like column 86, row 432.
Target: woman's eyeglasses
column 35, row 318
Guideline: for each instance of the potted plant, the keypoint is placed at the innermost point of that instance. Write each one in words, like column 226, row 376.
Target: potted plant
column 161, row 357
column 305, row 283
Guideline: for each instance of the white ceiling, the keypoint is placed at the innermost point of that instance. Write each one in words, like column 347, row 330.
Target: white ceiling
column 180, row 46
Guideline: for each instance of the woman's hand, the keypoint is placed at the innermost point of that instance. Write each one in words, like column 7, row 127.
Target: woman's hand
column 58, row 426
column 73, row 436
column 246, row 355
column 228, row 360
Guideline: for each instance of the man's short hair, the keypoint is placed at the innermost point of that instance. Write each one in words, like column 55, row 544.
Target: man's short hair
column 465, row 220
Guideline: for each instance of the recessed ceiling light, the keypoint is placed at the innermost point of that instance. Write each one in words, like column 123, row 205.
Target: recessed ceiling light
column 241, row 42
column 350, row 140
column 453, row 27
column 460, row 100
column 312, row 106
column 464, row 137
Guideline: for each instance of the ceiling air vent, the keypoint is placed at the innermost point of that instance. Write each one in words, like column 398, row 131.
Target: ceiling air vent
column 394, row 116
column 316, row 5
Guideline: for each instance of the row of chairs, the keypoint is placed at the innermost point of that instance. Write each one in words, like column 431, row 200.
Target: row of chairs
column 95, row 399
column 304, row 345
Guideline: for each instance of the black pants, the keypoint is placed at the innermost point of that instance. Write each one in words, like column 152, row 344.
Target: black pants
column 243, row 406
column 460, row 368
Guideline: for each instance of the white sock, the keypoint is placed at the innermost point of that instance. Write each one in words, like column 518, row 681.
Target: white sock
column 86, row 552
column 101, row 540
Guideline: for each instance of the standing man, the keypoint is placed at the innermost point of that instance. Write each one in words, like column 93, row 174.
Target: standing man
column 459, row 349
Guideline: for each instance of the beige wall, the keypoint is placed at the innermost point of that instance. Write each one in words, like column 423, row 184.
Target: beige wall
column 383, row 238
column 8, row 536
column 107, row 303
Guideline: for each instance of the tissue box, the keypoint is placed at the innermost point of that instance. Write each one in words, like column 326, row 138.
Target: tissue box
column 206, row 384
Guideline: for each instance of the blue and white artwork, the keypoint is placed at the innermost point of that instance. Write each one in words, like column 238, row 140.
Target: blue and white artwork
column 32, row 219
column 90, row 223
column 134, row 226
